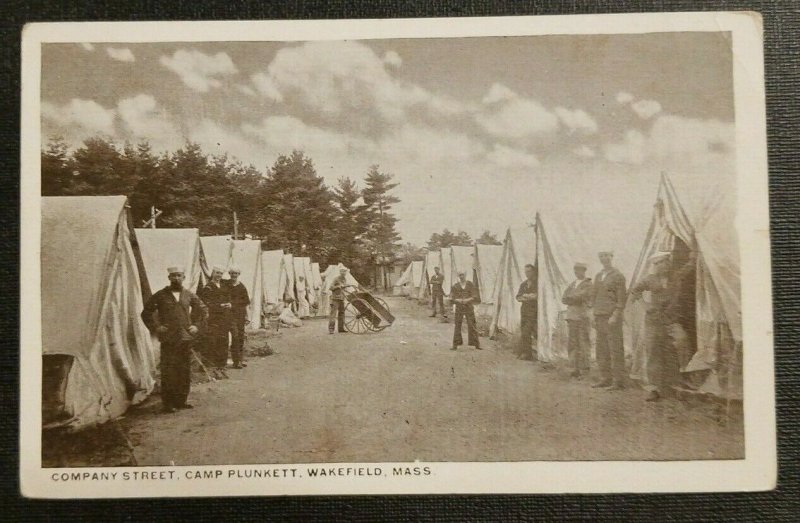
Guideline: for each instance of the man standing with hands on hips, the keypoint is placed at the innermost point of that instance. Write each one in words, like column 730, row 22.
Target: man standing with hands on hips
column 465, row 295
column 176, row 316
column 608, row 303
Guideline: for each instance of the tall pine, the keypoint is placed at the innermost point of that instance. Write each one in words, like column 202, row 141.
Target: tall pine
column 381, row 236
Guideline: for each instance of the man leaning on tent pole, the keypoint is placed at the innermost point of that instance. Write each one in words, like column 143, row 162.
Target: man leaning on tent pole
column 177, row 317
column 217, row 297
column 239, row 302
column 576, row 298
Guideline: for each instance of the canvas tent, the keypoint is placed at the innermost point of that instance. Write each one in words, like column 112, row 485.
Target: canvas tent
column 274, row 283
column 402, row 287
column 246, row 255
column 98, row 357
column 433, row 259
column 410, row 280
column 301, row 287
column 288, row 263
column 463, row 260
column 163, row 248
column 519, row 249
column 316, row 285
column 447, row 270
column 217, row 251
column 487, row 263
column 706, row 223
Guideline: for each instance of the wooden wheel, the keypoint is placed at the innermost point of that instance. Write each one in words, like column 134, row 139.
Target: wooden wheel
column 354, row 321
column 379, row 327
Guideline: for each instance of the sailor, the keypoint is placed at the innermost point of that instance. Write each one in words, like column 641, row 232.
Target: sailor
column 177, row 317
column 608, row 303
column 217, row 297
column 576, row 298
column 240, row 299
column 662, row 360
column 336, row 315
column 527, row 295
column 437, row 293
column 465, row 296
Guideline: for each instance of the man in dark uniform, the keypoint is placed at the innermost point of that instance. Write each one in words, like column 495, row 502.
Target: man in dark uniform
column 217, row 297
column 176, row 316
column 465, row 296
column 437, row 293
column 336, row 315
column 576, row 298
column 239, row 302
column 608, row 301
column 528, row 296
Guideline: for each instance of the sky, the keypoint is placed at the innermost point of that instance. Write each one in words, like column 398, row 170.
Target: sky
column 480, row 133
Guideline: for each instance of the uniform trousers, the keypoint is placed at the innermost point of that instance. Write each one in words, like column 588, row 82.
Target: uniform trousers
column 175, row 372
column 468, row 312
column 610, row 353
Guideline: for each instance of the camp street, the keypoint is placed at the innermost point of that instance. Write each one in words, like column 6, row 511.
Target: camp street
column 401, row 395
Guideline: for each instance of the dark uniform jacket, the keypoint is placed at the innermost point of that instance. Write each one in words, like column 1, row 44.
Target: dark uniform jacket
column 529, row 309
column 239, row 301
column 436, row 284
column 214, row 297
column 469, row 291
column 177, row 316
column 609, row 292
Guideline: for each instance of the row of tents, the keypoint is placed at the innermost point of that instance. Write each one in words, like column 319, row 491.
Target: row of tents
column 557, row 240
column 97, row 271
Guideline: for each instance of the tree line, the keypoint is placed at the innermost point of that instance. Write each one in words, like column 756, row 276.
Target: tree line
column 288, row 206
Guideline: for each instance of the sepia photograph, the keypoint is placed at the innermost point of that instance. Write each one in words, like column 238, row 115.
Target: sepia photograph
column 344, row 258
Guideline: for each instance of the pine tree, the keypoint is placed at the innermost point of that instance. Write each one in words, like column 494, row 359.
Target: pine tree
column 297, row 205
column 381, row 235
column 349, row 226
column 56, row 169
column 487, row 238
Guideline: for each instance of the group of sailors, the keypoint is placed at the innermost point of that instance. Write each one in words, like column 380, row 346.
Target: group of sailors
column 212, row 320
column 599, row 305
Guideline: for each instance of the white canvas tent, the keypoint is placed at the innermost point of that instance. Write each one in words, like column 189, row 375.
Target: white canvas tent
column 487, row 263
column 316, row 285
column 217, row 251
column 246, row 254
column 410, row 280
column 463, row 260
column 432, row 259
column 288, row 264
column 163, row 248
column 301, row 287
column 331, row 272
column 274, row 283
column 706, row 219
column 403, row 286
column 98, row 357
column 447, row 270
column 519, row 249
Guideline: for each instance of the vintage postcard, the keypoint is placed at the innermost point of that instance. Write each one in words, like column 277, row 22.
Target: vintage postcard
column 476, row 255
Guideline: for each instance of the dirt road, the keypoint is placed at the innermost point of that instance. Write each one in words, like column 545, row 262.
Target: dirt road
column 402, row 395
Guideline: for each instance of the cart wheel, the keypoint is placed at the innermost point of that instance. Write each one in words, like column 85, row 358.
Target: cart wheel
column 353, row 320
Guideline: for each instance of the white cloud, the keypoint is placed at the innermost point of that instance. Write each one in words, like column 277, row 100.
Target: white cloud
column 199, row 71
column 509, row 158
column 87, row 46
column 266, row 87
column 584, row 151
column 144, row 119
column 392, row 58
column 508, row 115
column 285, row 133
column 631, row 150
column 122, row 54
column 676, row 143
column 624, row 98
column 577, row 120
column 347, row 79
column 646, row 109
column 80, row 117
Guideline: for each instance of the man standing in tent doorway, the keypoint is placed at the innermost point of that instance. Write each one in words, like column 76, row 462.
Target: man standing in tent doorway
column 337, row 301
column 576, row 298
column 437, row 293
column 217, row 296
column 239, row 302
column 529, row 312
column 176, row 316
column 465, row 296
column 608, row 302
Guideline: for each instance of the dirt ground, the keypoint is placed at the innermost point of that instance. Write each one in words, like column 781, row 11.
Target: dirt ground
column 402, row 395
